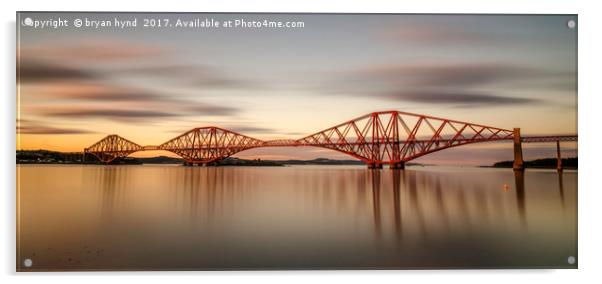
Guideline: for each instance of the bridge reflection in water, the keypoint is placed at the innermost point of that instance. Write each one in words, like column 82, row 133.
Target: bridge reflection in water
column 161, row 217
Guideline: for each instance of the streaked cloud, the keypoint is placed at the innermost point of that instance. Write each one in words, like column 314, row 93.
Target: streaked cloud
column 242, row 129
column 453, row 84
column 57, row 62
column 95, row 100
column 458, row 99
column 248, row 130
column 207, row 109
column 50, row 130
column 296, row 133
column 431, row 34
column 37, row 71
column 95, row 92
column 457, row 74
column 103, row 60
column 105, row 113
column 200, row 76
column 33, row 127
column 131, row 114
column 95, row 50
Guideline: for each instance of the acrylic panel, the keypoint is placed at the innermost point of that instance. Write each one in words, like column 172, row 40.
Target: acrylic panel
column 237, row 141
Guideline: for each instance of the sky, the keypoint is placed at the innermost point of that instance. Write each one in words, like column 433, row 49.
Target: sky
column 150, row 84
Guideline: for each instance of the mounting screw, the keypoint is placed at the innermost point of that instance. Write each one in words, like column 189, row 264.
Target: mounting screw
column 27, row 262
column 571, row 24
column 571, row 260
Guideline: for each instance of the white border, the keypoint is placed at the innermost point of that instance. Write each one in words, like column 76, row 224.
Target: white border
column 590, row 197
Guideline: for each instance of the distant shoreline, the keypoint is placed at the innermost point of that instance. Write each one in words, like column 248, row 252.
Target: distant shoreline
column 60, row 158
column 45, row 157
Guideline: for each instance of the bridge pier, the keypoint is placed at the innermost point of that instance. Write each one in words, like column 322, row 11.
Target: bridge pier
column 397, row 166
column 519, row 164
column 375, row 165
column 559, row 163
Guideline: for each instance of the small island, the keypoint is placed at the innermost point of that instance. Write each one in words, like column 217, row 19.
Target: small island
column 547, row 163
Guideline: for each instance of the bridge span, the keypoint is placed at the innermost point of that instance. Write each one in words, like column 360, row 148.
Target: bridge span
column 378, row 138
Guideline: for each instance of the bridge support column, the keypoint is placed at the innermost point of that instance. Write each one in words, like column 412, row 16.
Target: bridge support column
column 375, row 165
column 397, row 166
column 559, row 163
column 519, row 164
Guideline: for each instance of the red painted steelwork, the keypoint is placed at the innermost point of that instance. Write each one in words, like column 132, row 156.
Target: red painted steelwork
column 112, row 147
column 388, row 137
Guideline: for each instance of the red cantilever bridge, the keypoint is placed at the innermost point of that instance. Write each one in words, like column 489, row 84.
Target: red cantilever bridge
column 388, row 137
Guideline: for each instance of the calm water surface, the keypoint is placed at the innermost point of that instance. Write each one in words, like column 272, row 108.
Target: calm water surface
column 174, row 217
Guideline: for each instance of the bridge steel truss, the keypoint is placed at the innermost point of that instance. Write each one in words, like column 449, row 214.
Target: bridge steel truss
column 389, row 137
column 209, row 144
column 395, row 137
column 111, row 148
